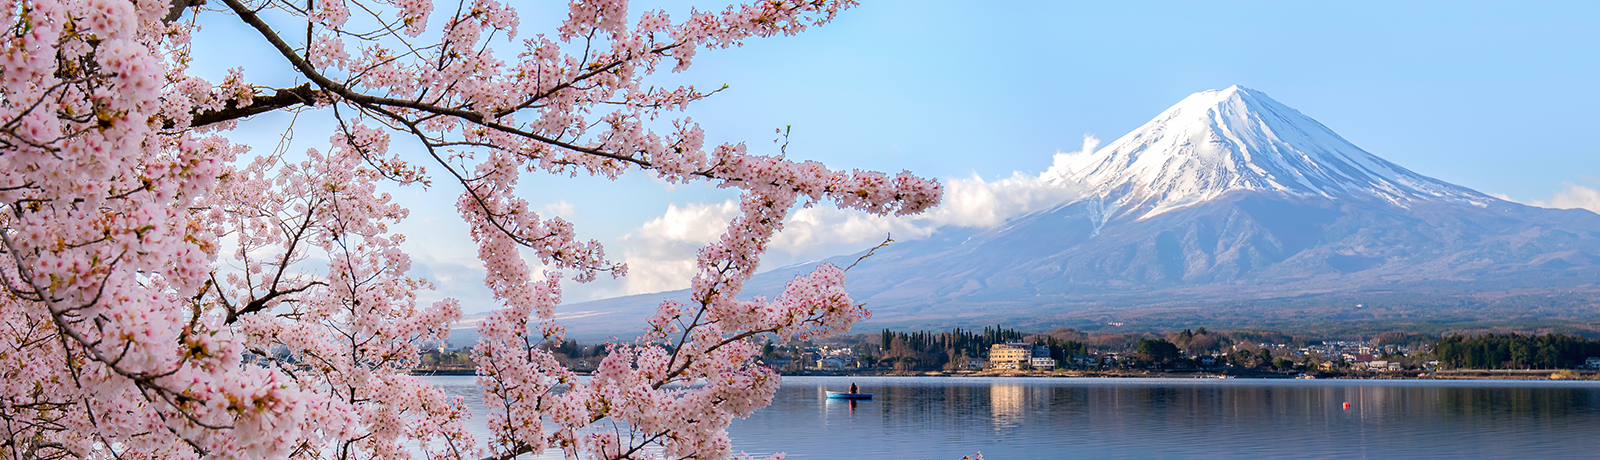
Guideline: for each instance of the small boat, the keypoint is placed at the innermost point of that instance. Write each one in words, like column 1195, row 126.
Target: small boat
column 843, row 395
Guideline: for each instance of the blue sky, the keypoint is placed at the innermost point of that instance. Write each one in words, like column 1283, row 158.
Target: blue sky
column 1499, row 97
column 1494, row 97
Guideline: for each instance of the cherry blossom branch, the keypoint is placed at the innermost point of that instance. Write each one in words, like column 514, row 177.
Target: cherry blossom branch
column 126, row 208
column 146, row 381
column 280, row 99
column 305, row 68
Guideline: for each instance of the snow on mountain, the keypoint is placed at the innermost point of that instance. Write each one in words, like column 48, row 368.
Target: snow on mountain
column 1219, row 141
column 1227, row 200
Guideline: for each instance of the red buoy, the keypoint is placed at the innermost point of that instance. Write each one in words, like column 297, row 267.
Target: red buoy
column 1346, row 405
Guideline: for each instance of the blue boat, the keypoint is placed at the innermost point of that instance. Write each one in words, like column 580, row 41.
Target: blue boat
column 843, row 395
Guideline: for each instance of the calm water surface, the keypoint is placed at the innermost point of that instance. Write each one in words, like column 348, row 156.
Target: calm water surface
column 1006, row 418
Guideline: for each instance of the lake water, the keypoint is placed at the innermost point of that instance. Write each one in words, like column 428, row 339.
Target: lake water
column 1026, row 418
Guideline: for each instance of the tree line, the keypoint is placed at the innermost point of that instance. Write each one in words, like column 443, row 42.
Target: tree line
column 949, row 349
column 1514, row 351
column 926, row 350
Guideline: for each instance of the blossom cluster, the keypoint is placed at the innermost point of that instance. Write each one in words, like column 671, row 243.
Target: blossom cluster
column 169, row 294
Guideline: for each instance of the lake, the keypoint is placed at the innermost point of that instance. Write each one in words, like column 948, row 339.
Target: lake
column 1026, row 418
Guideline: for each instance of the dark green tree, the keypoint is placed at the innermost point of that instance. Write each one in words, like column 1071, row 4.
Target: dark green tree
column 1158, row 351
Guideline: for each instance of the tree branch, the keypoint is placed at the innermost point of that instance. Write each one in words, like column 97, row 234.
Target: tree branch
column 282, row 98
column 175, row 10
column 310, row 72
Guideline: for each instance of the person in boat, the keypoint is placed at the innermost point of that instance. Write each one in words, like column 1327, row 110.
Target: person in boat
column 852, row 388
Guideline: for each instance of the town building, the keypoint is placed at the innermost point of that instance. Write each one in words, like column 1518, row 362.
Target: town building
column 1010, row 355
column 836, row 363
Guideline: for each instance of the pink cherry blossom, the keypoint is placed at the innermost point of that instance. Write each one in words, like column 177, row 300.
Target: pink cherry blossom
column 170, row 294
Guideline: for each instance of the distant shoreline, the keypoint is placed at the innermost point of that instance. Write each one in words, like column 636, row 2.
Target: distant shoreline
column 1454, row 374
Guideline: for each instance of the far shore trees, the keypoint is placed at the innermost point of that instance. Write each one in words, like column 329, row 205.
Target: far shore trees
column 1515, row 351
column 1157, row 351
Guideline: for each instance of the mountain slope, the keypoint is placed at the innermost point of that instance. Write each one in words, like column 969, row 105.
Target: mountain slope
column 1237, row 139
column 1226, row 199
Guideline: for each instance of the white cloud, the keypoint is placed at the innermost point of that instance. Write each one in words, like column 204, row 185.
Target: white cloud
column 974, row 203
column 1573, row 197
column 561, row 209
column 660, row 254
column 969, row 202
column 1063, row 161
column 823, row 231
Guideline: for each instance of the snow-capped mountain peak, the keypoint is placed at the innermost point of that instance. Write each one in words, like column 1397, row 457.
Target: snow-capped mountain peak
column 1220, row 141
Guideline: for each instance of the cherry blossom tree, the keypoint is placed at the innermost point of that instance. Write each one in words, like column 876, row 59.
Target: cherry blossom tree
column 169, row 294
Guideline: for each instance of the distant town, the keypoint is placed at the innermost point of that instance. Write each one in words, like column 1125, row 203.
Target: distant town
column 1195, row 352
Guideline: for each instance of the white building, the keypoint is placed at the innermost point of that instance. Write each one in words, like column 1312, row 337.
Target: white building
column 1010, row 355
column 837, row 363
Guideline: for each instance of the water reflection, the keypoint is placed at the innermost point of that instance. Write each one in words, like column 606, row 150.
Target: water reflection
column 1005, row 404
column 1109, row 418
column 915, row 418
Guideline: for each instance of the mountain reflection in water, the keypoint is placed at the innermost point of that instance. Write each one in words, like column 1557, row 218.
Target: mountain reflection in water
column 1027, row 418
column 1009, row 418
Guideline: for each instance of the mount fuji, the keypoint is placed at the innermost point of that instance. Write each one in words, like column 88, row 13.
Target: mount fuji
column 1238, row 140
column 1227, row 202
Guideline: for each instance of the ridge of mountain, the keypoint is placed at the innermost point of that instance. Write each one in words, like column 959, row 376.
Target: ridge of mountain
column 1225, row 201
column 1215, row 142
